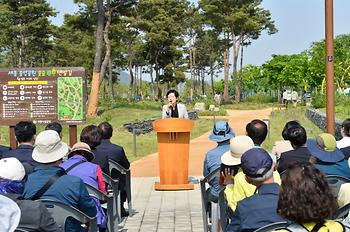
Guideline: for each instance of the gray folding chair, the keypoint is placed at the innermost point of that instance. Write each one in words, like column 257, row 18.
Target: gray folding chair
column 205, row 202
column 274, row 226
column 123, row 171
column 335, row 182
column 113, row 216
column 223, row 207
column 113, row 189
column 343, row 212
column 60, row 212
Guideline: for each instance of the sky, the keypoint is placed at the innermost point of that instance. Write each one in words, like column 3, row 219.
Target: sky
column 299, row 23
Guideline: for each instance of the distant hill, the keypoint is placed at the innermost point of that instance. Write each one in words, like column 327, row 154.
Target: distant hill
column 124, row 77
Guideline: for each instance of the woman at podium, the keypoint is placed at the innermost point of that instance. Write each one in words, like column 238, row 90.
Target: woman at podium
column 174, row 109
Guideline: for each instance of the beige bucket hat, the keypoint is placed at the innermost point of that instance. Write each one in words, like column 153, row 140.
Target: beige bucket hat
column 238, row 145
column 48, row 147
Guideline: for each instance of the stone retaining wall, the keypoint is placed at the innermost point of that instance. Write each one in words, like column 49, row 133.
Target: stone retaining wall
column 319, row 119
column 145, row 127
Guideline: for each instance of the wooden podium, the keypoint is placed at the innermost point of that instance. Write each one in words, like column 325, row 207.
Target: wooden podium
column 173, row 151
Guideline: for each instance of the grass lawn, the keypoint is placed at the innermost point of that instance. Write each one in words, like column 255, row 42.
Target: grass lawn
column 249, row 106
column 341, row 112
column 146, row 144
column 279, row 118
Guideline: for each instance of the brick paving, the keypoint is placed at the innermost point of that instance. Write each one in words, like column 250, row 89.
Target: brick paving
column 163, row 211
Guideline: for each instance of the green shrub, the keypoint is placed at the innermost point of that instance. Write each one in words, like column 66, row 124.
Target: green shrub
column 319, row 101
column 260, row 98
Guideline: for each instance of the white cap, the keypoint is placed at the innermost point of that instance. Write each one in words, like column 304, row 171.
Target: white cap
column 9, row 214
column 48, row 147
column 11, row 169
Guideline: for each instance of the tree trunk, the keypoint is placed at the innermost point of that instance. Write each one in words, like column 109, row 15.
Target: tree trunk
column 136, row 88
column 203, row 83
column 107, row 42
column 212, row 79
column 93, row 100
column 225, row 96
column 110, row 81
column 130, row 69
column 140, row 78
column 234, row 67
column 241, row 70
column 152, row 82
column 194, row 73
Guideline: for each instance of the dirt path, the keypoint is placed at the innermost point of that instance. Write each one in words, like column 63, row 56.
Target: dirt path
column 148, row 166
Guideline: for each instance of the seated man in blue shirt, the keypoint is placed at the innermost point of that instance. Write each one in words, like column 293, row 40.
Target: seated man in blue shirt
column 49, row 151
column 261, row 208
column 222, row 133
column 25, row 132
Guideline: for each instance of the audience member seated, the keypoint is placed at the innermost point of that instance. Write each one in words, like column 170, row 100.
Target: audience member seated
column 231, row 165
column 79, row 164
column 108, row 150
column 307, row 200
column 297, row 137
column 257, row 131
column 71, row 190
column 56, row 126
column 222, row 133
column 9, row 214
column 284, row 145
column 34, row 216
column 261, row 208
column 25, row 134
column 92, row 135
column 344, row 195
column 344, row 143
column 327, row 157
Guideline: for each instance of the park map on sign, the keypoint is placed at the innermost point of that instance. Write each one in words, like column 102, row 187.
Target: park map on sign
column 70, row 95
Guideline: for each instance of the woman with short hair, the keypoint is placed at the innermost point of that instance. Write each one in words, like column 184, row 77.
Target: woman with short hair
column 306, row 199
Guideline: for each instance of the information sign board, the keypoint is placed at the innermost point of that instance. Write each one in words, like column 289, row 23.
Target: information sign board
column 42, row 95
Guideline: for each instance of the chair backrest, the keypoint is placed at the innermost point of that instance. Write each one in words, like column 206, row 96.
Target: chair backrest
column 273, row 226
column 335, row 182
column 343, row 212
column 205, row 201
column 123, row 171
column 223, row 206
column 113, row 214
column 60, row 212
column 113, row 189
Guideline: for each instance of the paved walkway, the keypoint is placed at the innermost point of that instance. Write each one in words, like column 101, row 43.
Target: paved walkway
column 164, row 211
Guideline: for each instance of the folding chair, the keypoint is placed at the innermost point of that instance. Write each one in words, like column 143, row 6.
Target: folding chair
column 273, row 226
column 123, row 171
column 60, row 212
column 343, row 212
column 113, row 214
column 223, row 207
column 335, row 182
column 205, row 203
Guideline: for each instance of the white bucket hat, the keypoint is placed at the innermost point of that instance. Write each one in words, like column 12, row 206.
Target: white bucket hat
column 11, row 169
column 48, row 147
column 238, row 145
column 9, row 214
